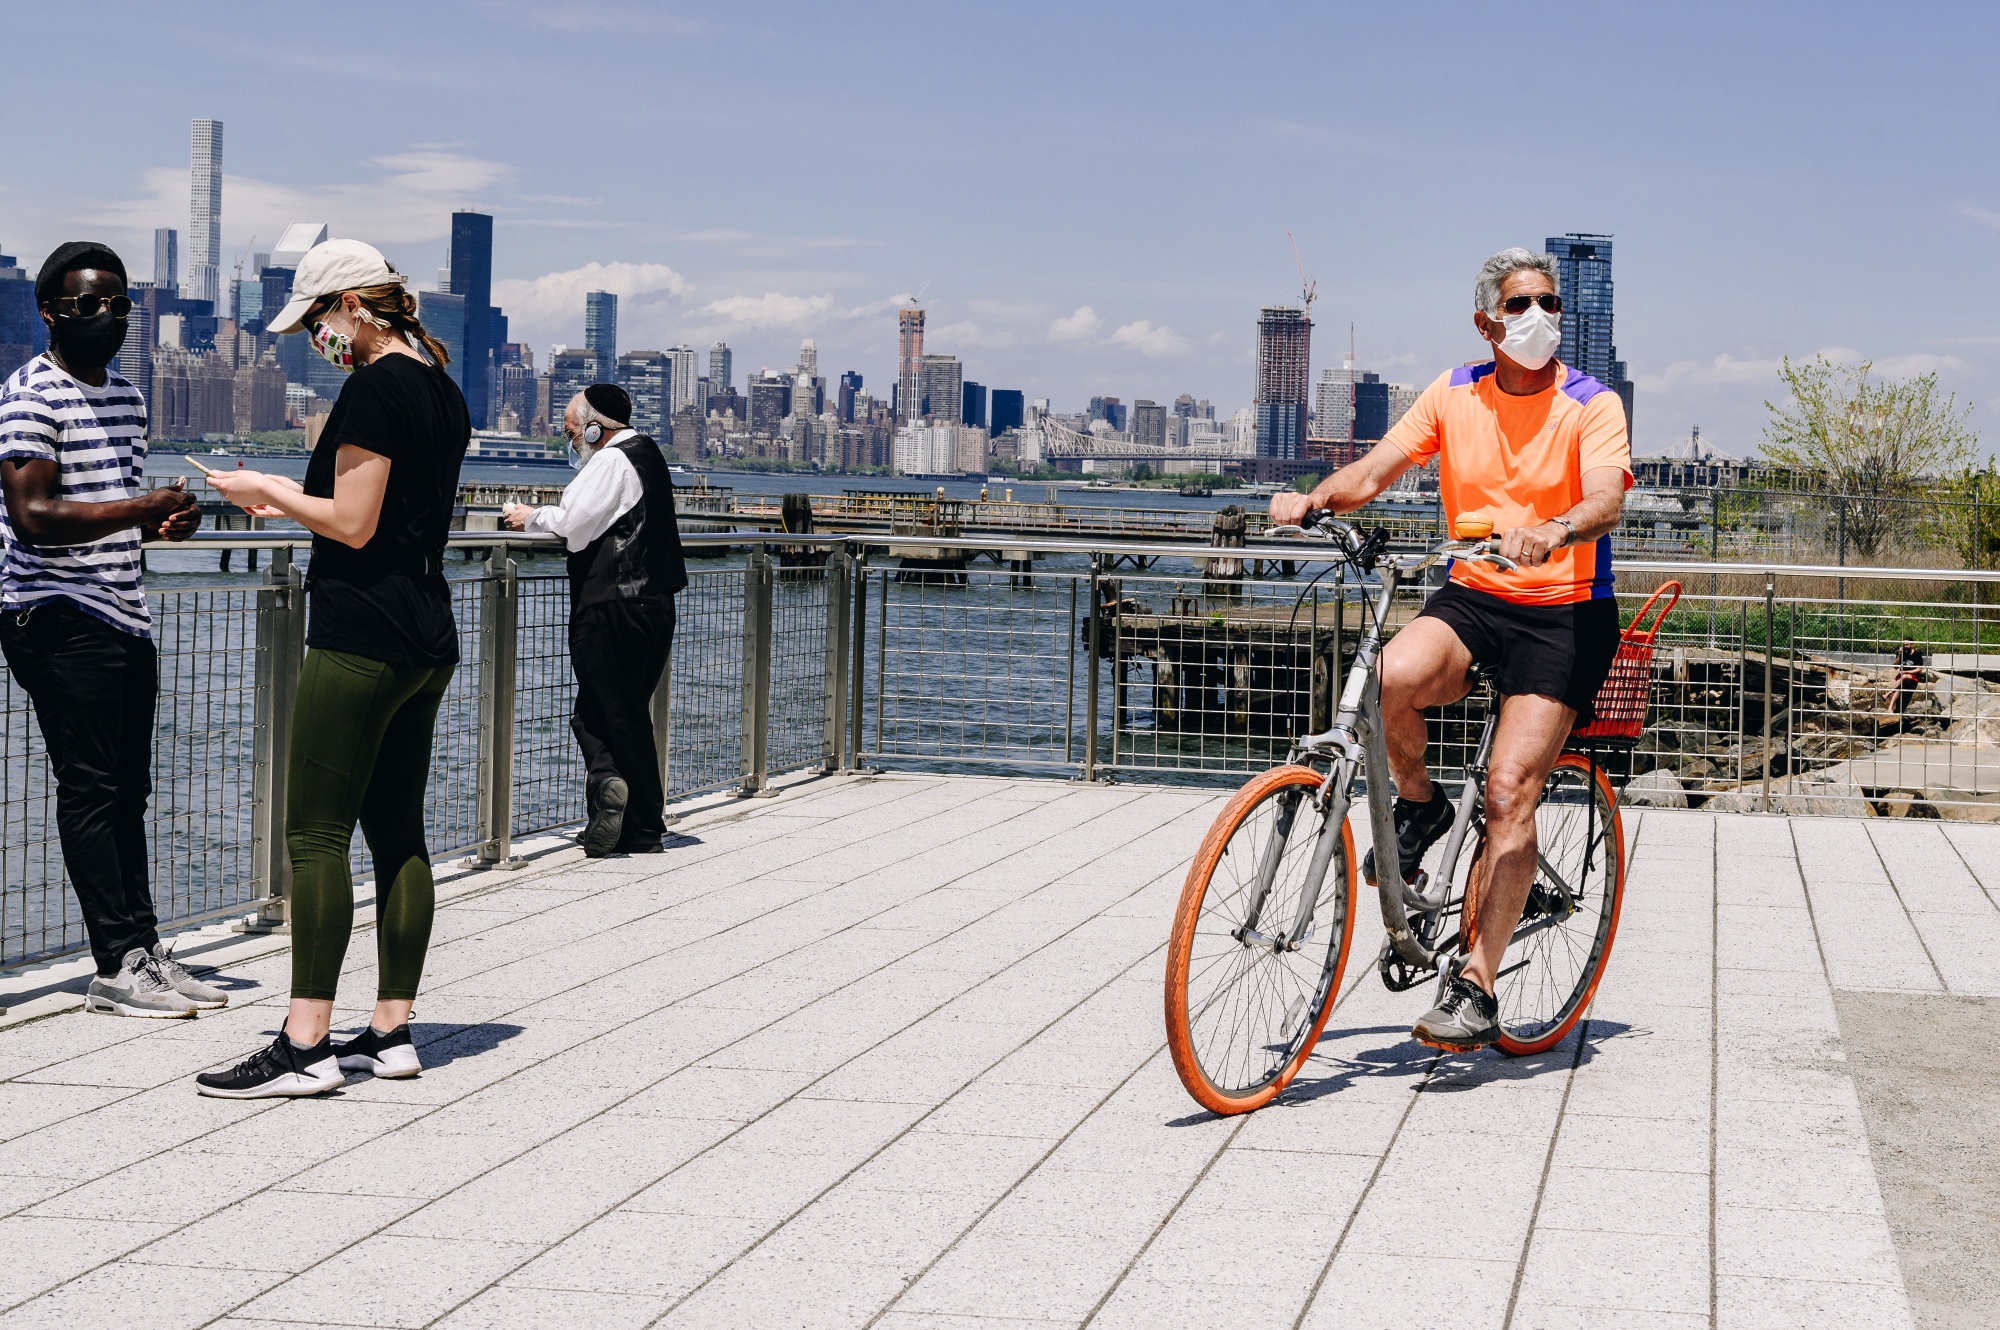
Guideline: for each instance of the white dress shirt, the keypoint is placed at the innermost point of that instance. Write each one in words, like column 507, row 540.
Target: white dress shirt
column 606, row 489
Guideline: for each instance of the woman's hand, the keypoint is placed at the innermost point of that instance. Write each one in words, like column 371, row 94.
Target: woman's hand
column 248, row 489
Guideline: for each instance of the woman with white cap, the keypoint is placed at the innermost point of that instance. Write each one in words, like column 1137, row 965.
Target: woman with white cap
column 382, row 645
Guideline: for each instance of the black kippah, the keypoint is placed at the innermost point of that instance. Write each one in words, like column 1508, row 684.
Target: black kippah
column 610, row 401
column 68, row 258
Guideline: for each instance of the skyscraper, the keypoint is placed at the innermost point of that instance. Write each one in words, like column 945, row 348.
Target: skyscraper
column 571, row 370
column 718, row 368
column 1006, row 411
column 471, row 276
column 1371, row 408
column 167, row 258
column 909, row 363
column 1583, row 261
column 850, row 388
column 941, row 388
column 1284, row 354
column 205, row 215
column 600, row 331
column 1333, row 411
column 974, row 405
column 687, row 377
column 809, row 358
column 1149, row 423
column 648, row 377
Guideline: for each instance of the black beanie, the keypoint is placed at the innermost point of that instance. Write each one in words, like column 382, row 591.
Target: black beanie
column 610, row 401
column 67, row 259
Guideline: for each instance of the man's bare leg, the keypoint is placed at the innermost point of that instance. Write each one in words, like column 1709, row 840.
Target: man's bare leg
column 1526, row 744
column 1423, row 665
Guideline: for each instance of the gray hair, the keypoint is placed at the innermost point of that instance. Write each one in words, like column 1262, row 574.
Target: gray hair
column 585, row 413
column 1486, row 290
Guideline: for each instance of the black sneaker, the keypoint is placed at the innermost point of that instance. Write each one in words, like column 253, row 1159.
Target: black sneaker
column 641, row 845
column 390, row 1057
column 1466, row 1019
column 278, row 1071
column 1418, row 827
column 607, row 819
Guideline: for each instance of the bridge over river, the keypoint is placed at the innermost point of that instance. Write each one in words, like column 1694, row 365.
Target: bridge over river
column 886, row 1050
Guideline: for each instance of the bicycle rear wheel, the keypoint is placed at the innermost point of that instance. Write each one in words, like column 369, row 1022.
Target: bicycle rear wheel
column 1548, row 977
column 1245, row 1003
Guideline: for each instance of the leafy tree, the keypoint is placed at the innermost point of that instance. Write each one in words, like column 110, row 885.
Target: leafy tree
column 1305, row 484
column 1873, row 444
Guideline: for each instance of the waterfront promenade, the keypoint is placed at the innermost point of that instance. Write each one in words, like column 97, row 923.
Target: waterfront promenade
column 888, row 1051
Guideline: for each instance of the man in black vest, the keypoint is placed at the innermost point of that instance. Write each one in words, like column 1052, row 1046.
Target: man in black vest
column 625, row 567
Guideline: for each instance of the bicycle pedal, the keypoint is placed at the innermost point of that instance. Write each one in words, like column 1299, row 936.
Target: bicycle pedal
column 1447, row 1048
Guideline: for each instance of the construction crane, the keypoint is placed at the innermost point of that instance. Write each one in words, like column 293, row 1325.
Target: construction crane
column 243, row 254
column 1309, row 291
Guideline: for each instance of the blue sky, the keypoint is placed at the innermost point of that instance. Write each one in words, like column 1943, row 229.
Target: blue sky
column 1097, row 195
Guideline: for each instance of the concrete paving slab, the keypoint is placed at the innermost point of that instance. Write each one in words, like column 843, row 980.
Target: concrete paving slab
column 888, row 1051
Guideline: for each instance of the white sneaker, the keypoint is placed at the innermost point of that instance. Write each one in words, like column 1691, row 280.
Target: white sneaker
column 140, row 988
column 391, row 1056
column 277, row 1071
column 206, row 997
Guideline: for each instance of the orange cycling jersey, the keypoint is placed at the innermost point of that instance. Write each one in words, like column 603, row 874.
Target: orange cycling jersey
column 1520, row 461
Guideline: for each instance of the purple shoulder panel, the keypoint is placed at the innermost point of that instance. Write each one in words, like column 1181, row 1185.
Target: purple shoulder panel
column 1581, row 387
column 1469, row 374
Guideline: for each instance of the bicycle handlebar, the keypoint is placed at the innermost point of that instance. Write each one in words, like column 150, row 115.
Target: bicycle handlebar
column 1325, row 525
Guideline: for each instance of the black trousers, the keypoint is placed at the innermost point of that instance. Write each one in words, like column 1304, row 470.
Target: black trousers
column 618, row 650
column 94, row 689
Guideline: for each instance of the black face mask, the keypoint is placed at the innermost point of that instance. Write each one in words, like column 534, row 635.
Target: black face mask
column 87, row 342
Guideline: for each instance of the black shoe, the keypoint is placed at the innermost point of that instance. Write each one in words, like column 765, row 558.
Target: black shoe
column 1418, row 827
column 278, row 1071
column 1466, row 1019
column 389, row 1057
column 607, row 819
column 642, row 844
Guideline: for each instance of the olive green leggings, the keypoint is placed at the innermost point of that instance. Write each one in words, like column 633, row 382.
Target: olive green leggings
column 361, row 750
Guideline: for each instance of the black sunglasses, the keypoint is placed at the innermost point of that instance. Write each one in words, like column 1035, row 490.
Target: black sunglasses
column 120, row 306
column 1550, row 302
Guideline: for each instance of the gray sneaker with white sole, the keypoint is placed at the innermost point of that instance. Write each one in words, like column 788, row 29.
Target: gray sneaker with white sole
column 139, row 988
column 205, row 996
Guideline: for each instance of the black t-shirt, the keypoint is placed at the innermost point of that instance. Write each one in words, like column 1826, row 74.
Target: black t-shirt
column 388, row 600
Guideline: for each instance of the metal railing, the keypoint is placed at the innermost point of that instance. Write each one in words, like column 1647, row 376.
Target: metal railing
column 1772, row 690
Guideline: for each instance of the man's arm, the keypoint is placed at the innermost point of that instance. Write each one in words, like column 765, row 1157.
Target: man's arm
column 1346, row 489
column 31, row 487
column 1596, row 514
column 605, row 491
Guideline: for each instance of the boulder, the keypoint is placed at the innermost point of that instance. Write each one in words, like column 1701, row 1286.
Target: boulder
column 1806, row 798
column 1655, row 789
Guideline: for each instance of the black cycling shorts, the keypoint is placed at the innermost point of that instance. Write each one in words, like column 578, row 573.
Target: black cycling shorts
column 1559, row 651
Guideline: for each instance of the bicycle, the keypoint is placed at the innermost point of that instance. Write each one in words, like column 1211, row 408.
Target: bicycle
column 1260, row 943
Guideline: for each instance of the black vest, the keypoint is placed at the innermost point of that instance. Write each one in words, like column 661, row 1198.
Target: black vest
column 641, row 554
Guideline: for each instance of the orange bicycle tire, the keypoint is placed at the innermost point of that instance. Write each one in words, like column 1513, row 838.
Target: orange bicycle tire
column 1187, row 915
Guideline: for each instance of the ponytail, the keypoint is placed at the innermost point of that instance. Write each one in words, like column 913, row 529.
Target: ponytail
column 396, row 307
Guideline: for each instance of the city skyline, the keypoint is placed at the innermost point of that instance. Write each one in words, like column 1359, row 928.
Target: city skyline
column 1773, row 163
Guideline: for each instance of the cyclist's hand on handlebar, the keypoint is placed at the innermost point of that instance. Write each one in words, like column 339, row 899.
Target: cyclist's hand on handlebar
column 1289, row 509
column 1531, row 546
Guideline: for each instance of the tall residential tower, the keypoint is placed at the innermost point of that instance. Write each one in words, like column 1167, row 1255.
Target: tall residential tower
column 204, row 281
column 600, row 331
column 1284, row 353
column 1583, row 261
column 909, row 365
column 471, row 270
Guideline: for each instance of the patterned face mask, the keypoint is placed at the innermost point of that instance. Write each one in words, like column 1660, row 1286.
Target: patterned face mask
column 337, row 348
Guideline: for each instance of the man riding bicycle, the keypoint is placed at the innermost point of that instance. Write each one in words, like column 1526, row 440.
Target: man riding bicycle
column 1541, row 450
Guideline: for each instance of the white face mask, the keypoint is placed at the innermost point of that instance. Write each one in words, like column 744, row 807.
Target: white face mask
column 1532, row 337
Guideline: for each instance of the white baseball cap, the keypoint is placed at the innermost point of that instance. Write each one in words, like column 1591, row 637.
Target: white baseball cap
column 328, row 268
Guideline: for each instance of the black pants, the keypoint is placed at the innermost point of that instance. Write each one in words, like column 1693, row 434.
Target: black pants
column 94, row 688
column 619, row 650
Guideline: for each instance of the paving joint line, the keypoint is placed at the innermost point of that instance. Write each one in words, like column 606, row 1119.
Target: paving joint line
column 1910, row 918
column 643, row 1089
column 518, row 1071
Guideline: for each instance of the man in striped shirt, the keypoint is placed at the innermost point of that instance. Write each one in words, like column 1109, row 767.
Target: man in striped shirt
column 73, row 622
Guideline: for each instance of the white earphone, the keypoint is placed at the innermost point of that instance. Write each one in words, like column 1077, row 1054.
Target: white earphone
column 592, row 433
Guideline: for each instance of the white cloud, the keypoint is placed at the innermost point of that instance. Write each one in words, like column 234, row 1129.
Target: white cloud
column 1077, row 327
column 1981, row 215
column 1158, row 343
column 557, row 297
column 1726, row 370
column 410, row 199
column 875, row 308
column 966, row 333
column 770, row 310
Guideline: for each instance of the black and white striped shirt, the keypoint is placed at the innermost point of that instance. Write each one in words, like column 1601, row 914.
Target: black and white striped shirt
column 97, row 439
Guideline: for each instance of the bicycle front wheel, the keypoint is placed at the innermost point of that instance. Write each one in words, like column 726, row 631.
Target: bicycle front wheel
column 1246, row 1001
column 1552, row 967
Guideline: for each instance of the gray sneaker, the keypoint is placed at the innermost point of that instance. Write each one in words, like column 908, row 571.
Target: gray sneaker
column 1466, row 1019
column 138, row 989
column 206, row 997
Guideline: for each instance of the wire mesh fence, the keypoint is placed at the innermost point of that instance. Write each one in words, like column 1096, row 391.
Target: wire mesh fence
column 1812, row 691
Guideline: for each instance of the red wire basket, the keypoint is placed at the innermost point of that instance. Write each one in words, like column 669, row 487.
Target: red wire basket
column 1622, row 697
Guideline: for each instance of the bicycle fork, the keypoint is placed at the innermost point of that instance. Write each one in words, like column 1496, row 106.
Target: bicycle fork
column 1332, row 815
